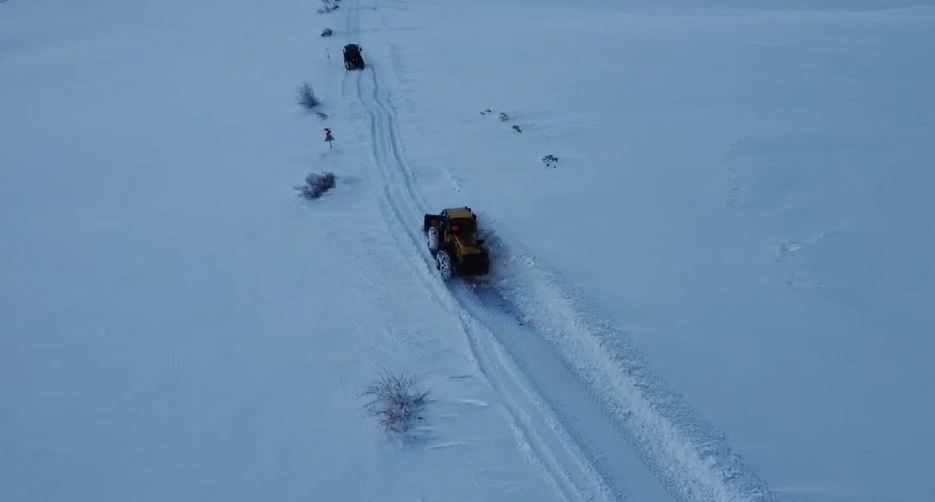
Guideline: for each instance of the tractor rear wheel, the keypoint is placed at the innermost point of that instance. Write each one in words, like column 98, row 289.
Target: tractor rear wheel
column 445, row 267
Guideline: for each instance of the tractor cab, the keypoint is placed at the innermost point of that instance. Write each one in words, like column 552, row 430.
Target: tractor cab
column 461, row 227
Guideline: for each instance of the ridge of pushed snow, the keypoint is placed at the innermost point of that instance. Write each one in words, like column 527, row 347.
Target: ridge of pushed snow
column 689, row 454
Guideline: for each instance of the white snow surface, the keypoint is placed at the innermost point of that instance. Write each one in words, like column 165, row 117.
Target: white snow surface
column 719, row 292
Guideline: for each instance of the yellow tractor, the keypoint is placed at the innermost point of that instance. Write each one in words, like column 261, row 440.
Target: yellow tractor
column 452, row 239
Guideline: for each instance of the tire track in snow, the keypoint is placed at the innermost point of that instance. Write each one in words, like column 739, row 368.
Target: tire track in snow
column 352, row 31
column 582, row 442
column 539, row 435
column 564, row 432
column 581, row 461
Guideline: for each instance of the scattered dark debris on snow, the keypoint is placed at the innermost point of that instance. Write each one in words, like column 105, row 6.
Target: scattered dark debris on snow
column 550, row 161
column 316, row 184
column 504, row 117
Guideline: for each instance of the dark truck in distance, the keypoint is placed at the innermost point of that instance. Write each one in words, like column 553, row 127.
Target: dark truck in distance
column 352, row 58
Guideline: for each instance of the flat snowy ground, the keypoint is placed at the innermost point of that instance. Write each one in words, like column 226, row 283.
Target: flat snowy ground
column 720, row 291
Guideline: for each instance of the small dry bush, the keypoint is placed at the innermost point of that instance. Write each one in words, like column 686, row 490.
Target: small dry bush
column 395, row 401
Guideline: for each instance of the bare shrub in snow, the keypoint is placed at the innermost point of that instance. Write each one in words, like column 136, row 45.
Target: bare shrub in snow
column 327, row 32
column 504, row 117
column 395, row 400
column 517, row 129
column 550, row 161
column 316, row 185
column 306, row 96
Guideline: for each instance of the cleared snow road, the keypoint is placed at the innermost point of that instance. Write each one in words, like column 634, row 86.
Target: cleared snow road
column 584, row 449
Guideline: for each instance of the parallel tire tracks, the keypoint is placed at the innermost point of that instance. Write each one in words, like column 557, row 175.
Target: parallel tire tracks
column 540, row 437
column 586, row 447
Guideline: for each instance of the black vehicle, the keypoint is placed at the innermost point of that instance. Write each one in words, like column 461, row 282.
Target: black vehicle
column 352, row 58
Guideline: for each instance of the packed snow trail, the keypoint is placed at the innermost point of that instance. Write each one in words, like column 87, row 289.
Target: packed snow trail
column 570, row 477
column 615, row 444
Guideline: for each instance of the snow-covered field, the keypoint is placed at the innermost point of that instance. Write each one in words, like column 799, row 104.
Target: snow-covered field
column 719, row 292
